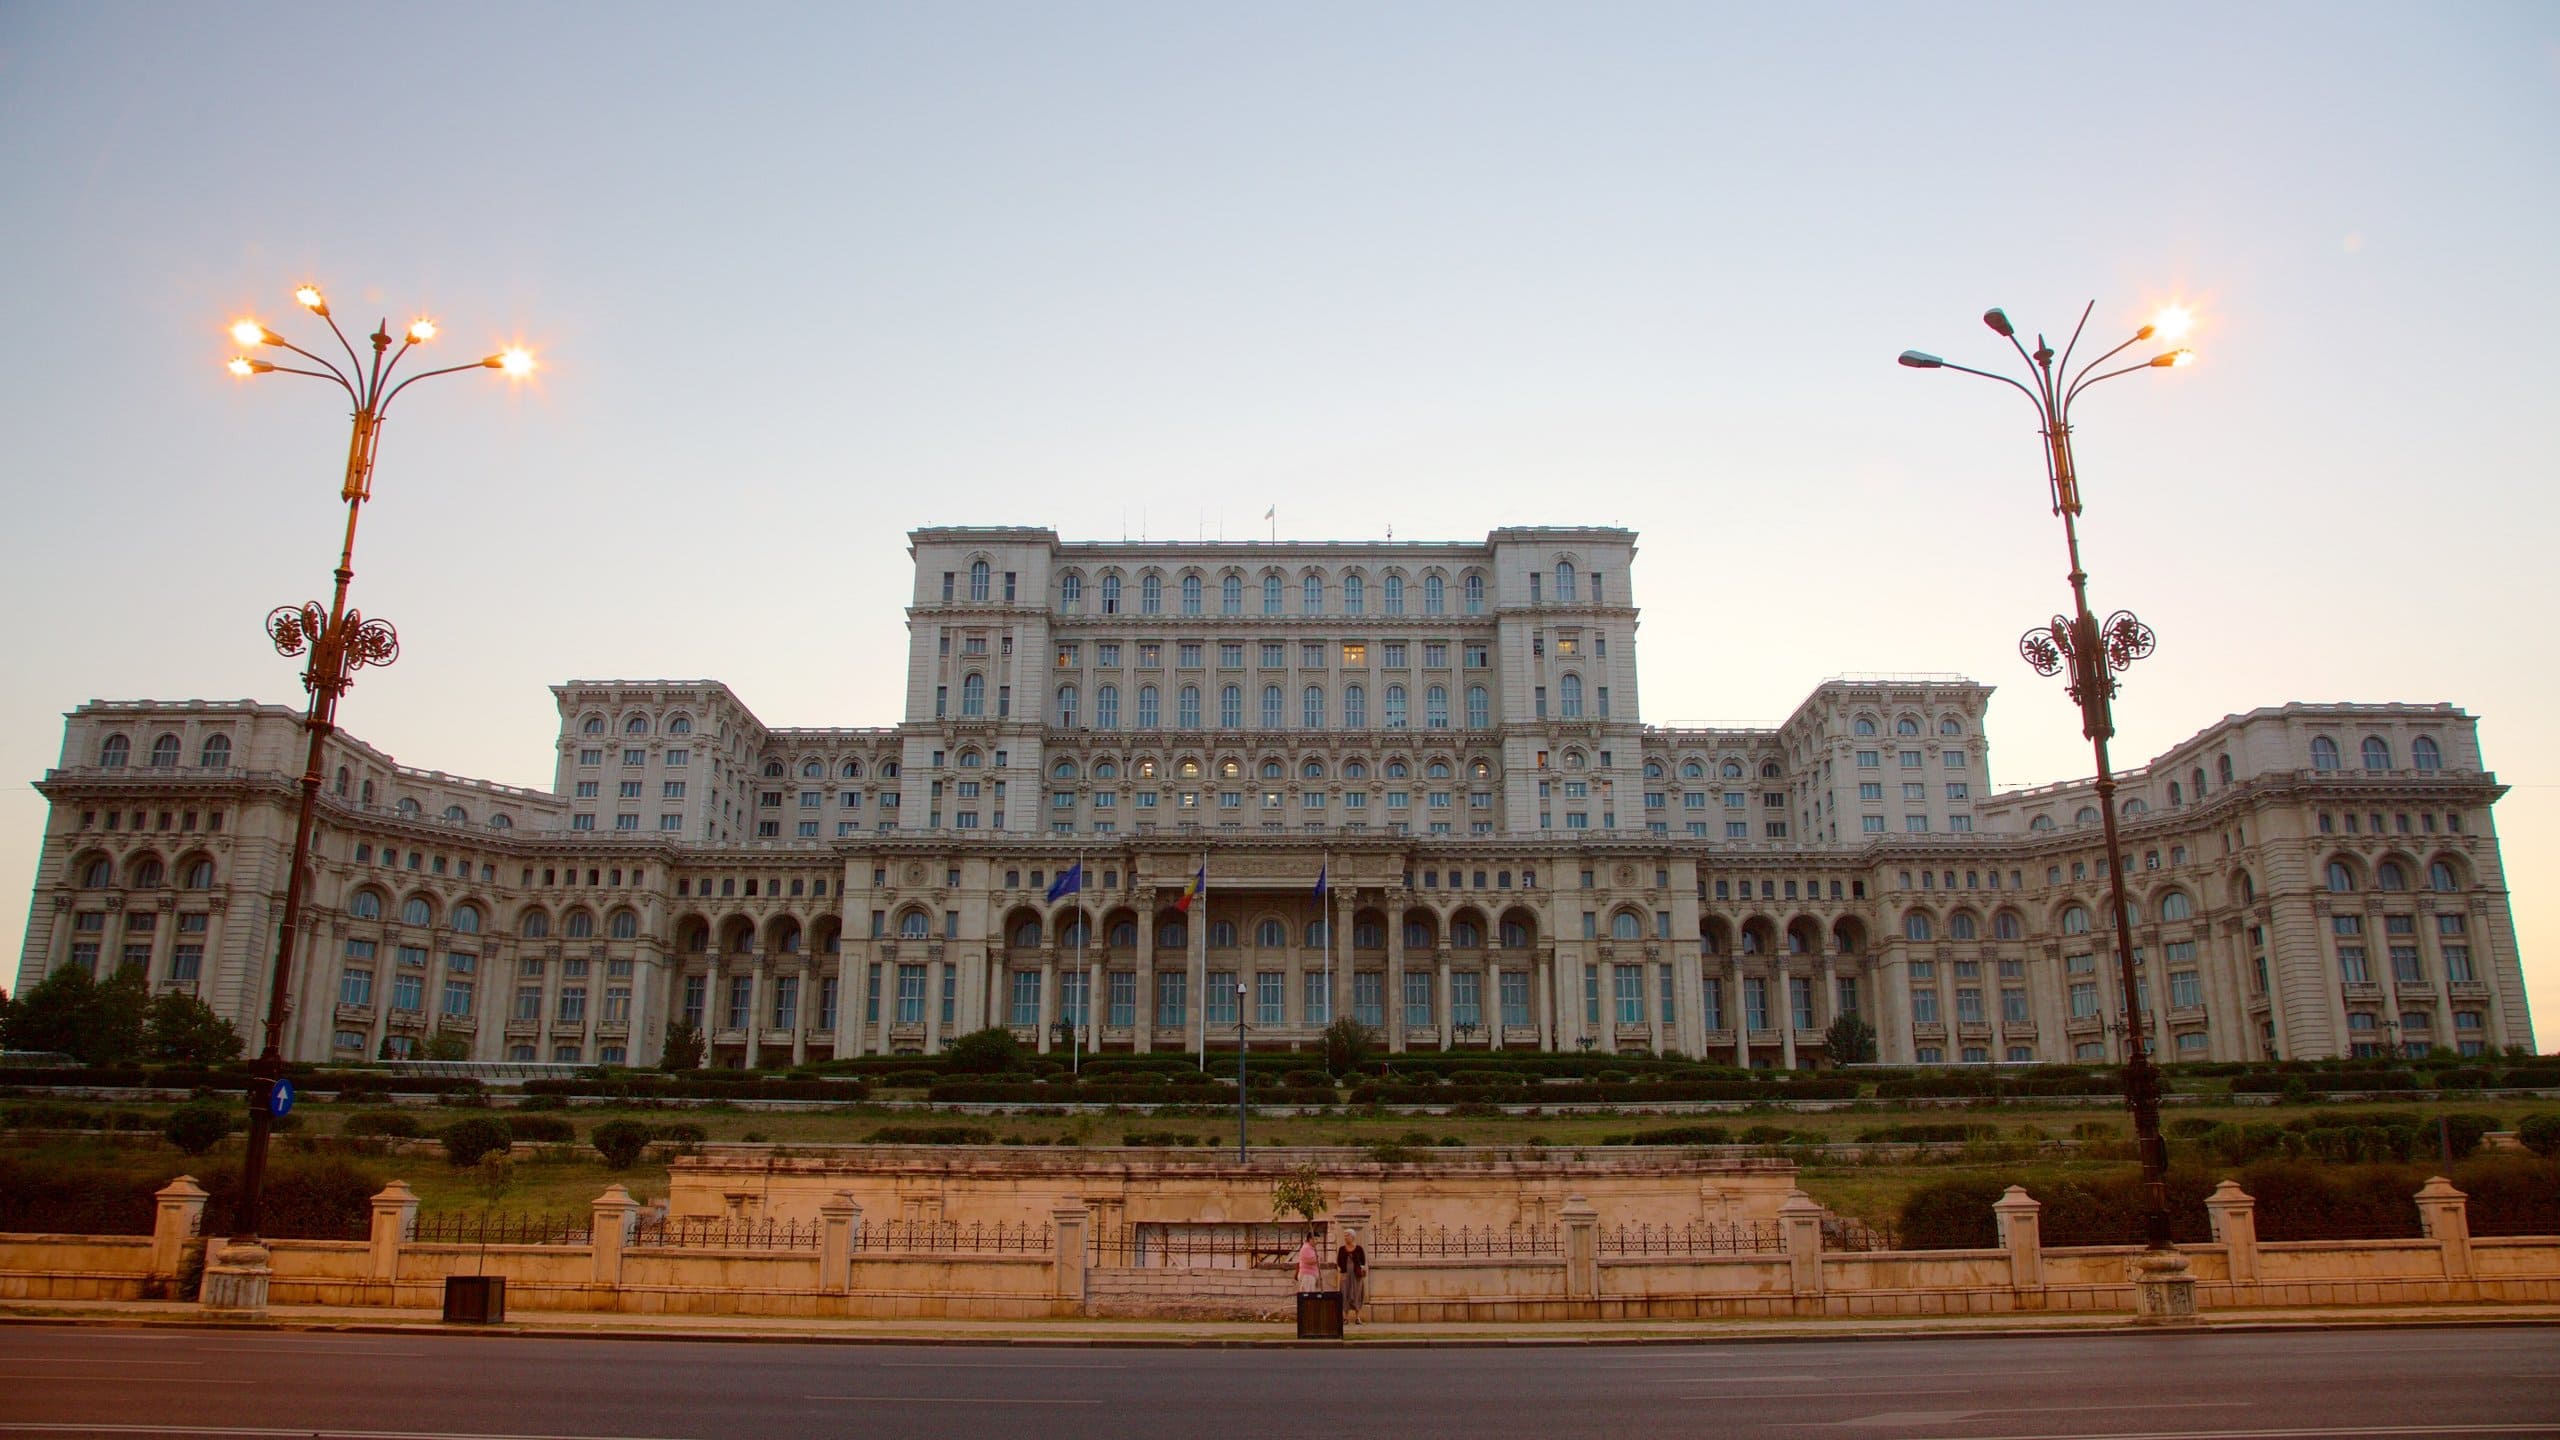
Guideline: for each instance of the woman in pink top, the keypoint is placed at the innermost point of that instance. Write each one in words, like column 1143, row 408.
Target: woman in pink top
column 1310, row 1266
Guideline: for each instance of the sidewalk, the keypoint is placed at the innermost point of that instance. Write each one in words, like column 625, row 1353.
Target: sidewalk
column 563, row 1324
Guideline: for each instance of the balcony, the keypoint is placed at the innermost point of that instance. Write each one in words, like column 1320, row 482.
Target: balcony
column 362, row 1013
column 1928, row 1030
column 2079, row 1025
column 523, row 1025
column 462, row 1024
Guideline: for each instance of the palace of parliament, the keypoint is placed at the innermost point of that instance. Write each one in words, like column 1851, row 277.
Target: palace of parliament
column 1153, row 790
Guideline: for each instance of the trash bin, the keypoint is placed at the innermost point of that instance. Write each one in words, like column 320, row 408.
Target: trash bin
column 481, row 1299
column 1320, row 1315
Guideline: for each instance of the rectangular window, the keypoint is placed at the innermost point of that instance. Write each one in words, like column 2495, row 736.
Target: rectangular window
column 1025, row 1010
column 355, row 987
column 1319, row 1000
column 1270, row 998
column 1417, row 999
column 910, row 994
column 1924, row 1007
column 2084, row 999
column 1514, row 987
column 1172, row 1000
column 1466, row 999
column 1755, row 1001
column 1368, row 998
column 1800, row 1001
column 2013, row 1006
column 1711, row 1003
column 573, row 1005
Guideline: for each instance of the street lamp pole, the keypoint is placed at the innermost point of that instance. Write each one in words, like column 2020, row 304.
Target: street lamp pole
column 1241, row 1110
column 2094, row 652
column 338, row 642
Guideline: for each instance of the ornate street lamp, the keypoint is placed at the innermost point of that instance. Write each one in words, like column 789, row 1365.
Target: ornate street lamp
column 338, row 642
column 2093, row 653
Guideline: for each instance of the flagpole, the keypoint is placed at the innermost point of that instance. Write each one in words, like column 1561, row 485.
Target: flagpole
column 1074, row 1029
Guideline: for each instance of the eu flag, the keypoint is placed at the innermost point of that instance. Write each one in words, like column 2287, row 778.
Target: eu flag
column 1069, row 881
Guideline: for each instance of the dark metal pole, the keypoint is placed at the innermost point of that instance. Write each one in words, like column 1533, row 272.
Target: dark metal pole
column 1240, row 1053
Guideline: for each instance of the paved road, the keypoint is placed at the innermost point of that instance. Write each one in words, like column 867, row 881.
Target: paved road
column 2198, row 1386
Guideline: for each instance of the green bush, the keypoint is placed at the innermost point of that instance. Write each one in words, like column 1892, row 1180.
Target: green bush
column 2541, row 1134
column 1683, row 1135
column 389, row 1124
column 306, row 1197
column 992, row 1051
column 541, row 1129
column 468, row 1142
column 621, row 1143
column 683, row 1134
column 931, row 1135
column 197, row 1126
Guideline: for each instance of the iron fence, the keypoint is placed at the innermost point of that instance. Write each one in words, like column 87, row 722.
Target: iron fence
column 939, row 1237
column 489, row 1227
column 1204, row 1246
column 704, row 1233
column 1739, row 1237
column 1839, row 1232
column 1397, row 1242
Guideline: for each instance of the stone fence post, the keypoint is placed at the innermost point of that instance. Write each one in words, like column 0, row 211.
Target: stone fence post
column 2445, row 1214
column 180, row 1216
column 2234, row 1214
column 609, row 1229
column 1800, row 1219
column 395, row 1210
column 2020, row 1218
column 1067, row 1259
column 1581, row 1248
column 838, row 1217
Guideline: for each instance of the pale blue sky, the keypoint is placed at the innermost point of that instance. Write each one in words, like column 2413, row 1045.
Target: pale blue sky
column 803, row 277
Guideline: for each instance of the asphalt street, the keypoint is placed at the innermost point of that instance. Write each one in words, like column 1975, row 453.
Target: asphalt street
column 2136, row 1386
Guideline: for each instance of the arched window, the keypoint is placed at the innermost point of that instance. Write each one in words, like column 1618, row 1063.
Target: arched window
column 1417, row 935
column 2341, row 877
column 2324, row 753
column 2222, row 768
column 2176, row 906
column 2007, row 926
column 1270, row 935
column 1172, row 935
column 1222, row 935
column 625, row 925
column 2389, row 876
column 408, row 808
column 457, row 815
column 341, row 786
column 973, row 694
column 1960, row 926
column 1915, row 926
column 1692, row 770
column 1124, row 935
column 679, row 725
column 113, row 751
column 1311, row 770
column 1151, row 594
column 199, row 875
column 416, row 911
column 2177, row 794
column 2075, row 920
column 1769, row 770
column 1190, row 594
column 1435, row 596
column 1950, row 726
column 1067, row 706
column 1231, row 595
column 636, row 725
column 594, row 725
column 581, row 925
column 1187, row 708
column 1270, row 707
column 1906, row 726
column 1026, row 936
column 535, row 925
column 2085, row 815
column 2041, row 822
column 2440, row 877
column 912, row 925
column 1515, row 936
column 1070, row 590
column 1231, row 707
column 1355, row 595
column 1311, row 707
column 1355, row 707
column 1569, row 692
column 1273, row 770
column 977, row 579
column 1110, row 594
column 1564, row 580
column 146, row 873
column 1395, row 707
column 1150, row 708
column 2377, row 753
column 1475, row 594
column 1063, row 770
column 1102, row 769
column 466, row 919
column 1479, row 708
column 1368, row 935
column 1863, row 726
column 2423, row 754
column 1435, row 708
column 1106, row 706
column 217, row 752
column 1464, row 935
column 1270, row 594
column 365, row 905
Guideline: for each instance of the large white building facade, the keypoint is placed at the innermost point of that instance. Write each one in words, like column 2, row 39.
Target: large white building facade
column 1451, row 734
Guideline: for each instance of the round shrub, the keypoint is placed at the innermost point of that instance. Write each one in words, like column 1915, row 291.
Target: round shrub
column 541, row 1129
column 468, row 1142
column 621, row 1142
column 197, row 1126
column 2541, row 1134
column 389, row 1124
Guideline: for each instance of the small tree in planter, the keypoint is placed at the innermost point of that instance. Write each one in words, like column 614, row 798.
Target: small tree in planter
column 1300, row 1192
column 683, row 1048
column 621, row 1142
column 1850, row 1041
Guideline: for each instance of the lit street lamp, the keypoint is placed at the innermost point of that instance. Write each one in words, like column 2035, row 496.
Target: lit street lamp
column 339, row 642
column 2093, row 653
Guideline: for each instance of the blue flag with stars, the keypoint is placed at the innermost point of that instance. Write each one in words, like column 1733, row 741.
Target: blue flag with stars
column 1069, row 881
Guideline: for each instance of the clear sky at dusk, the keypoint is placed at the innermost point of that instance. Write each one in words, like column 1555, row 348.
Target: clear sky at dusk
column 804, row 277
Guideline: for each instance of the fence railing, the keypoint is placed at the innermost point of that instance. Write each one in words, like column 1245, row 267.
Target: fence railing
column 1740, row 1237
column 1398, row 1242
column 1839, row 1232
column 499, row 1228
column 700, row 1233
column 1222, row 1247
column 944, row 1237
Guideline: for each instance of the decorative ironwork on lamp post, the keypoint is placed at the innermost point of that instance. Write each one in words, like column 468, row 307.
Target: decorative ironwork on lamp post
column 334, row 642
column 2094, row 653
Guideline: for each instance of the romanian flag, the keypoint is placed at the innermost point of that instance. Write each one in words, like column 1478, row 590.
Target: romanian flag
column 1199, row 885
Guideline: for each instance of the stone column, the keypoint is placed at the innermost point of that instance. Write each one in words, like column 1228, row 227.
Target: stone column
column 2444, row 1213
column 1141, row 1019
column 801, row 1013
column 1581, row 1248
column 1782, row 1008
column 180, row 1215
column 1067, row 1222
column 838, row 1216
column 1048, row 998
column 758, row 996
column 395, row 1209
column 1440, row 992
column 1395, row 981
column 933, row 1037
column 1542, row 993
column 1653, row 972
column 1338, row 946
column 2234, row 1216
column 1800, row 1220
column 2020, row 1220
column 609, row 1229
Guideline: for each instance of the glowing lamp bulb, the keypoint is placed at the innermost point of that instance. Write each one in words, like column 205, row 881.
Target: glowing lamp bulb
column 309, row 298
column 2173, row 321
column 249, row 332
column 421, row 330
column 240, row 366
column 517, row 362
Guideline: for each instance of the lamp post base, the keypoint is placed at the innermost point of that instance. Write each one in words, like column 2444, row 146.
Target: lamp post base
column 2164, row 1290
column 235, row 1278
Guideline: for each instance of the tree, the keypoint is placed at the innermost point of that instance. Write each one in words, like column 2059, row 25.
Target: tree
column 1850, row 1041
column 179, row 1027
column 197, row 1126
column 443, row 1045
column 470, row 1141
column 992, row 1051
column 1300, row 1192
column 1348, row 1045
column 621, row 1142
column 684, row 1046
column 93, row 1023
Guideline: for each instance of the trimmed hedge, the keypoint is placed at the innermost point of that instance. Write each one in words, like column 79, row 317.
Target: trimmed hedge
column 700, row 1085
column 1119, row 1092
column 1605, row 1092
column 306, row 1197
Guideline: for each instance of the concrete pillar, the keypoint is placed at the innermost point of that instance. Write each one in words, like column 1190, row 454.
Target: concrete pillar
column 1440, row 993
column 1395, row 981
column 933, row 1036
column 1800, row 1219
column 837, row 1217
column 1782, row 1008
column 802, row 1012
column 609, row 1229
column 2444, row 1214
column 2234, row 1216
column 2020, row 1218
column 395, row 1210
column 1067, row 1222
column 1048, row 999
column 1581, row 1248
column 179, row 1217
column 1142, row 1028
column 236, row 1273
